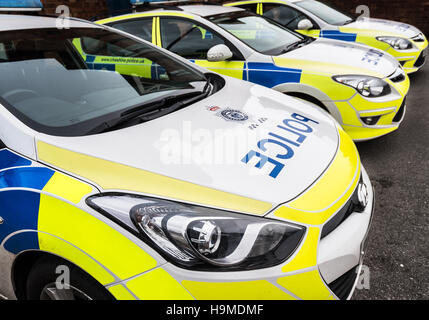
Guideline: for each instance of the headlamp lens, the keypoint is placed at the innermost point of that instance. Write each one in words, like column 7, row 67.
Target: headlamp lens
column 204, row 238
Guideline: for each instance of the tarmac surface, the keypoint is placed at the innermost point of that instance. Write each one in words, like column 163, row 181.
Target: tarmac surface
column 397, row 251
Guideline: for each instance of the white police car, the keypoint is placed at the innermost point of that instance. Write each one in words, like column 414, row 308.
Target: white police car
column 112, row 171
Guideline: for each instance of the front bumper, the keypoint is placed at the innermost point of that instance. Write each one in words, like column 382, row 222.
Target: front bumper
column 341, row 252
column 390, row 112
column 336, row 254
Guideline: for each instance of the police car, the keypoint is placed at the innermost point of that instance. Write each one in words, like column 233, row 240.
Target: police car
column 363, row 88
column 317, row 19
column 106, row 190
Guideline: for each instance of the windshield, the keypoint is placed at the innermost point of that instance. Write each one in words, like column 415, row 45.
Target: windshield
column 259, row 33
column 325, row 12
column 65, row 82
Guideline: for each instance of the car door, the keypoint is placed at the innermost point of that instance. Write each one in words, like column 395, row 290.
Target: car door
column 192, row 40
column 289, row 17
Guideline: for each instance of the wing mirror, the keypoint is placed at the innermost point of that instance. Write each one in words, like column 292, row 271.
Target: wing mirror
column 305, row 24
column 219, row 52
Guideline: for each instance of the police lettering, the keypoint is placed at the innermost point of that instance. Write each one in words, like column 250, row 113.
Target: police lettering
column 292, row 134
column 373, row 56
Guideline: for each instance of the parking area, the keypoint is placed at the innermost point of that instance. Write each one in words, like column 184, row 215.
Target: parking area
column 398, row 164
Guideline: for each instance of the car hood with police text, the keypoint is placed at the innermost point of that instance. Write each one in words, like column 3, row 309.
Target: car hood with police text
column 383, row 27
column 333, row 56
column 245, row 140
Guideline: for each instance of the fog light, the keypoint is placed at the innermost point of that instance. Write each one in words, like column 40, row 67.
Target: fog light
column 370, row 121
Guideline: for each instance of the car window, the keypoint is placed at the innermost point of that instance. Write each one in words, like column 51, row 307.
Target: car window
column 285, row 15
column 187, row 39
column 3, row 55
column 259, row 33
column 327, row 13
column 141, row 28
column 62, row 82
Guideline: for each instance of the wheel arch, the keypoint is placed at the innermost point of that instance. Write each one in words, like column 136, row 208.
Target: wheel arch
column 24, row 262
column 21, row 267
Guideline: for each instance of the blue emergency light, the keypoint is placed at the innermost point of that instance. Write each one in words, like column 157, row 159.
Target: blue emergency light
column 20, row 5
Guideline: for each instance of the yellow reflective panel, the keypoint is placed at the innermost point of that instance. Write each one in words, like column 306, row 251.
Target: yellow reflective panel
column 362, row 104
column 325, row 84
column 158, row 285
column 158, row 32
column 307, row 286
column 154, row 31
column 65, row 250
column 307, row 254
column 245, row 290
column 310, row 33
column 330, row 192
column 121, row 293
column 110, row 175
column 78, row 45
column 233, row 69
column 67, row 188
column 363, row 133
column 348, row 114
column 106, row 245
column 335, row 182
column 259, row 9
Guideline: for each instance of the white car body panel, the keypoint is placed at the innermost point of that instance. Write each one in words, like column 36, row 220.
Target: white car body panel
column 400, row 28
column 144, row 146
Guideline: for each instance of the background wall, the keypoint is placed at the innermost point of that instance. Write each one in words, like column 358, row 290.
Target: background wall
column 414, row 12
column 85, row 9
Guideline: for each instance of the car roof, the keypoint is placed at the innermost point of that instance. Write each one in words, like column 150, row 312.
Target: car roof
column 25, row 22
column 208, row 10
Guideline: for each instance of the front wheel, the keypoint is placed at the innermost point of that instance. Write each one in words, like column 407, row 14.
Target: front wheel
column 53, row 278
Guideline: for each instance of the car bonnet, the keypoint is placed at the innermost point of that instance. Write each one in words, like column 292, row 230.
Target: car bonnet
column 338, row 57
column 381, row 27
column 208, row 153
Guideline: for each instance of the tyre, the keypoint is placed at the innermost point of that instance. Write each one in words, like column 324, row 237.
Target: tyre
column 53, row 278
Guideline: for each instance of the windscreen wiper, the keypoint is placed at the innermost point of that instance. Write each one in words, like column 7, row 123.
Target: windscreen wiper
column 149, row 111
column 349, row 21
column 297, row 44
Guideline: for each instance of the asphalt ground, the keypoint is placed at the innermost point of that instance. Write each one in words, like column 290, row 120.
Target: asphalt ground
column 397, row 252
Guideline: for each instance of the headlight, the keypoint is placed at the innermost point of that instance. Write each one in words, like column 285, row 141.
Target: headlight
column 397, row 43
column 419, row 38
column 202, row 238
column 367, row 86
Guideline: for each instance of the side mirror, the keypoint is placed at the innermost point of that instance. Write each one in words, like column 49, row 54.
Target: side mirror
column 305, row 24
column 219, row 52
